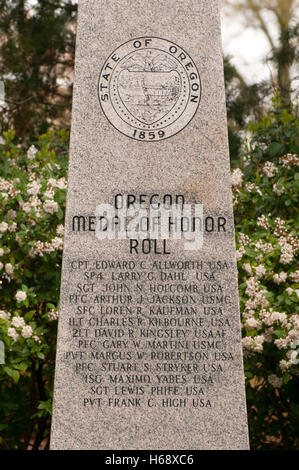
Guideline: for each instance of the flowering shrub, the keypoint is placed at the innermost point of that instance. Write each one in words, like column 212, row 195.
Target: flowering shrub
column 266, row 216
column 32, row 203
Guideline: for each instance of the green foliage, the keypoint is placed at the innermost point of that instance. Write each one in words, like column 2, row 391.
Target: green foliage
column 36, row 64
column 242, row 102
column 266, row 217
column 32, row 204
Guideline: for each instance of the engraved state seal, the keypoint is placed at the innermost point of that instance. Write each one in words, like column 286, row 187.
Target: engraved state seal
column 149, row 89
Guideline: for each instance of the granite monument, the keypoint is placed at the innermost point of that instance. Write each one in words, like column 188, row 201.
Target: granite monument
column 149, row 343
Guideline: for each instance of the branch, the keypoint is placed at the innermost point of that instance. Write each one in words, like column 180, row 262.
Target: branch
column 257, row 11
column 250, row 6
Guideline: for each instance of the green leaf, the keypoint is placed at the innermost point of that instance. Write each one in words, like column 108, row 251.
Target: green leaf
column 60, row 214
column 286, row 378
column 14, row 374
column 275, row 148
column 280, row 333
column 29, row 315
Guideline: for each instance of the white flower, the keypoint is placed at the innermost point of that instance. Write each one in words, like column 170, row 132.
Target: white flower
column 18, row 322
column 275, row 381
column 252, row 287
column 4, row 315
column 12, row 227
column 5, row 185
column 278, row 191
column 282, row 343
column 11, row 214
column 19, row 240
column 262, row 221
column 47, row 247
column 31, row 152
column 50, row 206
column 295, row 321
column 253, row 324
column 35, row 202
column 293, row 335
column 293, row 357
column 1, row 252
column 289, row 291
column 269, row 169
column 279, row 278
column 289, row 160
column 280, row 317
column 248, row 313
column 237, row 177
column 57, row 243
column 286, row 253
column 235, row 199
column 240, row 252
column 9, row 269
column 53, row 315
column 21, row 296
column 294, row 276
column 51, row 182
column 38, row 248
column 27, row 332
column 253, row 187
column 3, row 227
column 250, row 305
column 247, row 268
column 61, row 183
column 33, row 188
column 36, row 338
column 284, row 365
column 26, row 207
column 261, row 299
column 12, row 333
column 60, row 230
column 49, row 194
column 258, row 343
column 280, row 224
column 247, row 342
column 243, row 239
column 260, row 270
column 283, row 276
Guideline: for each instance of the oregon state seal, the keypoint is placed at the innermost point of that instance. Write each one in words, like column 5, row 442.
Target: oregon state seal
column 149, row 89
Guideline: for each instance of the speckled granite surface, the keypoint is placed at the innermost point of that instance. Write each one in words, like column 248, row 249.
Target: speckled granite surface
column 149, row 119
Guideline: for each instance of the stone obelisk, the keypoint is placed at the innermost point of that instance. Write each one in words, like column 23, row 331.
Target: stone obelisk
column 149, row 344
